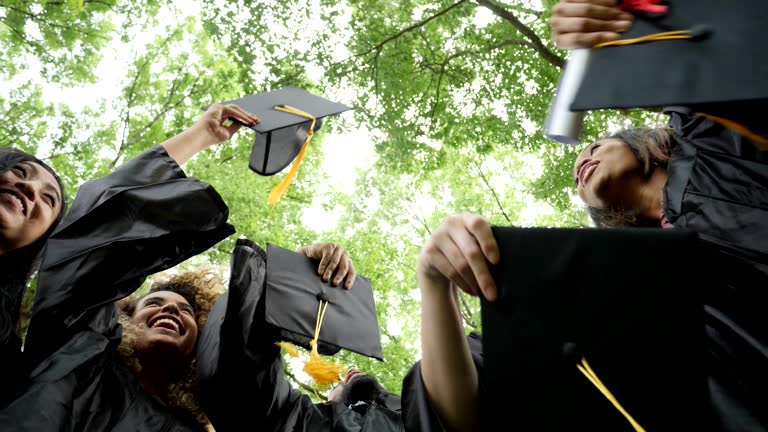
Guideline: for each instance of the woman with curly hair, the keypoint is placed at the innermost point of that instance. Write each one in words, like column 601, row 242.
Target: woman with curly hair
column 173, row 312
column 32, row 204
column 145, row 217
column 240, row 370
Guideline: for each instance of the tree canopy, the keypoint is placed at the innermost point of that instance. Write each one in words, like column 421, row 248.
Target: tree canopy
column 449, row 95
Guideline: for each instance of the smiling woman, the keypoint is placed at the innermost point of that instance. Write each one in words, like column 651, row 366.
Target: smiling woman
column 144, row 217
column 160, row 333
column 621, row 177
column 31, row 206
column 30, row 197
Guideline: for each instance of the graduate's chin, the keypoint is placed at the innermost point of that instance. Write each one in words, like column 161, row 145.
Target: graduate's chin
column 163, row 342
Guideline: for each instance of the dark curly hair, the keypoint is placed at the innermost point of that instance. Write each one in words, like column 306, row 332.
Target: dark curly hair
column 651, row 147
column 200, row 288
column 19, row 265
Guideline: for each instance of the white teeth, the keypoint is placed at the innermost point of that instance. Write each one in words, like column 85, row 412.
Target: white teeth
column 167, row 321
column 18, row 201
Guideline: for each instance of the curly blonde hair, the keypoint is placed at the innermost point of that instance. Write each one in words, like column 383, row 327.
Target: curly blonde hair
column 200, row 288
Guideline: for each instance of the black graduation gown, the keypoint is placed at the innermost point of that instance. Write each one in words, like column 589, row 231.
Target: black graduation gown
column 418, row 413
column 240, row 369
column 145, row 217
column 717, row 186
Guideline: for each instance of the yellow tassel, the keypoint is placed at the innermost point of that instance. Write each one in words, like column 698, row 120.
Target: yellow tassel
column 670, row 35
column 324, row 372
column 289, row 348
column 760, row 141
column 277, row 192
column 592, row 377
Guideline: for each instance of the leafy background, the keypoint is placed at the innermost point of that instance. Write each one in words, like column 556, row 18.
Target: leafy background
column 449, row 99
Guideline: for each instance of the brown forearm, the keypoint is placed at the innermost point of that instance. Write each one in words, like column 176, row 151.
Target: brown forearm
column 449, row 374
column 187, row 144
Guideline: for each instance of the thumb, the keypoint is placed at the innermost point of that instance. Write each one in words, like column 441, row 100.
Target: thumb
column 233, row 128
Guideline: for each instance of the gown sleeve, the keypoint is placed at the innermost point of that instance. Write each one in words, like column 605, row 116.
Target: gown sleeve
column 145, row 217
column 239, row 368
column 705, row 134
column 417, row 410
column 716, row 186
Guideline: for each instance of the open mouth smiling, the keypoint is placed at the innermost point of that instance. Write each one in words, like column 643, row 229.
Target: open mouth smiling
column 167, row 321
column 16, row 199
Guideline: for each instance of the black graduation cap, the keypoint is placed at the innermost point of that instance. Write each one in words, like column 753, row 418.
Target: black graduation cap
column 619, row 307
column 716, row 63
column 294, row 294
column 281, row 134
column 286, row 115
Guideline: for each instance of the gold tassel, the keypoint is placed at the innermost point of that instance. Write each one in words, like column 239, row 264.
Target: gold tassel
column 289, row 348
column 322, row 371
column 759, row 141
column 592, row 377
column 278, row 191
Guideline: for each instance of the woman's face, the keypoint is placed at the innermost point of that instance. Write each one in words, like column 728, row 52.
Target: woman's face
column 30, row 201
column 171, row 328
column 604, row 171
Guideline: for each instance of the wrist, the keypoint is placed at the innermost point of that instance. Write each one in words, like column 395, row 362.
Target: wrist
column 434, row 286
column 199, row 137
column 188, row 143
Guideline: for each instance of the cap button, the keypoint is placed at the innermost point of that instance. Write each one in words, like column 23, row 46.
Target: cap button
column 571, row 352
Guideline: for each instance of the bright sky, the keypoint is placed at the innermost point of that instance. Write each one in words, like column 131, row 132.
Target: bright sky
column 345, row 152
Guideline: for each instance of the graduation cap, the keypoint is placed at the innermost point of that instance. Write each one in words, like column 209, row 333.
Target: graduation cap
column 707, row 55
column 595, row 330
column 289, row 118
column 317, row 316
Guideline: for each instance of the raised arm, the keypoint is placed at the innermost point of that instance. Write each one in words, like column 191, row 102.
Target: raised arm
column 585, row 23
column 145, row 217
column 239, row 368
column 216, row 126
column 456, row 255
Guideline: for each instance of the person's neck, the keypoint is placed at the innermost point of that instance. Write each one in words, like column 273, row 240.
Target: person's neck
column 649, row 195
column 156, row 376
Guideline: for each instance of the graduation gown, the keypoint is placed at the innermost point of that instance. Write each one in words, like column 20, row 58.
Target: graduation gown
column 145, row 217
column 718, row 187
column 418, row 413
column 240, row 369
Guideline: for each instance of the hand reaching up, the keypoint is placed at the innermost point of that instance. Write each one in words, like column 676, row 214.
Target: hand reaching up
column 458, row 252
column 586, row 23
column 333, row 258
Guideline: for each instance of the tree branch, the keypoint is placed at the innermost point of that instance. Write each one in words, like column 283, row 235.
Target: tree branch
column 167, row 106
column 29, row 41
column 444, row 65
column 466, row 314
column 537, row 43
column 138, row 134
column 132, row 96
column 55, row 155
column 423, row 221
column 50, row 23
column 306, row 386
column 488, row 185
column 410, row 28
column 386, row 332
